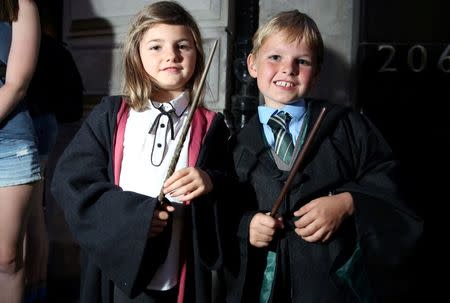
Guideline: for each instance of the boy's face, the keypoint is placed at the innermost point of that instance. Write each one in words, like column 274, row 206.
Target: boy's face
column 284, row 71
column 168, row 55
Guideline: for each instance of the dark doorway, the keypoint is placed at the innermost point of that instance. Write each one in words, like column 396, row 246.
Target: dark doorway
column 404, row 88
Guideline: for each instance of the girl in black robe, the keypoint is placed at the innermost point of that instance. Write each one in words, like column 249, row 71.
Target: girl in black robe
column 133, row 249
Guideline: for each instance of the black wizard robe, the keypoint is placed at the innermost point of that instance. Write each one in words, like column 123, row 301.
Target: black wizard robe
column 111, row 225
column 367, row 259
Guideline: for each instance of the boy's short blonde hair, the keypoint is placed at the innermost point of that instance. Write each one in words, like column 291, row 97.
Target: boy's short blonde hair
column 138, row 85
column 296, row 26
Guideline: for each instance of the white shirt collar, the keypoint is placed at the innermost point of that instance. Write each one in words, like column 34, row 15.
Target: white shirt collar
column 179, row 104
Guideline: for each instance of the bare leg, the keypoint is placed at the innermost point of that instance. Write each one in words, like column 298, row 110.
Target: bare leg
column 14, row 211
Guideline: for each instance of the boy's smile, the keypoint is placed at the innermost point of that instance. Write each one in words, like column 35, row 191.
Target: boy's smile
column 168, row 55
column 285, row 71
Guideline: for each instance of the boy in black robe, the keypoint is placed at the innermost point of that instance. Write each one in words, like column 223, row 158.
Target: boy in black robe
column 344, row 232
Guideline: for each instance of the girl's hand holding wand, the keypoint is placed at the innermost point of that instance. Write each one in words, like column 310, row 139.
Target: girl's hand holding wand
column 188, row 183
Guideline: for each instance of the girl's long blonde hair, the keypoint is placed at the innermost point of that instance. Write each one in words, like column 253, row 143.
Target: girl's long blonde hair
column 138, row 85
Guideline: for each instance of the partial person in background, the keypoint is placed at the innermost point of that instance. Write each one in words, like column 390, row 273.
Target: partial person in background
column 44, row 90
column 19, row 159
column 55, row 95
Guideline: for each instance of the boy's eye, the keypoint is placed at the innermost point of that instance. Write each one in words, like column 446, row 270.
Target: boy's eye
column 275, row 57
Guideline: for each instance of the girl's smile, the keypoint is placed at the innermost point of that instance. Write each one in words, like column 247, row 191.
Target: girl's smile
column 168, row 55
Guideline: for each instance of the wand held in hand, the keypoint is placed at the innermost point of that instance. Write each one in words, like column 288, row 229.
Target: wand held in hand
column 184, row 131
column 298, row 162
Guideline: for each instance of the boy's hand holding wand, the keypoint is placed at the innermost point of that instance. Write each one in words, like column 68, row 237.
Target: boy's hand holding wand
column 297, row 164
column 262, row 230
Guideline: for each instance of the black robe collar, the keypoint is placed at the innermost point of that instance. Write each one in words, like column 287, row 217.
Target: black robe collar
column 251, row 139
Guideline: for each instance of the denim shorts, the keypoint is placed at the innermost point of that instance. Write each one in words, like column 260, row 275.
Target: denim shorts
column 19, row 162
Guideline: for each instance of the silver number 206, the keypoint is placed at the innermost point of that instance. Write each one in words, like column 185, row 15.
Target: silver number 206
column 416, row 66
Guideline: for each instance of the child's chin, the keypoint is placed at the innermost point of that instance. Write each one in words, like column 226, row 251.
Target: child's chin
column 288, row 101
column 280, row 102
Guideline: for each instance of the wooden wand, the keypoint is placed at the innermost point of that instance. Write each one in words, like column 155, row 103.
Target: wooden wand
column 298, row 162
column 184, row 131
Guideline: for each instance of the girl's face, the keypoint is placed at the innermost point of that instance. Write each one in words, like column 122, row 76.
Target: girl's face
column 284, row 71
column 168, row 55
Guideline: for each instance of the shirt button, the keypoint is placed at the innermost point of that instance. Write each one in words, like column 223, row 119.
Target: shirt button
column 159, row 145
column 162, row 125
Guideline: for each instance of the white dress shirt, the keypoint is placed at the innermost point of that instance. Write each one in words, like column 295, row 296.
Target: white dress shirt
column 146, row 159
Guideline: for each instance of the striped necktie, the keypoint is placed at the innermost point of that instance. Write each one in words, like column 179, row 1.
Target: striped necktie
column 284, row 146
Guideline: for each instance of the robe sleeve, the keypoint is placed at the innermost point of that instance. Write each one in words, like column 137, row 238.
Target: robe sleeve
column 110, row 225
column 215, row 160
column 388, row 231
column 238, row 209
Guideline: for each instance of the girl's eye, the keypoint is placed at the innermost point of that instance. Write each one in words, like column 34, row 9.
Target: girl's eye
column 154, row 47
column 184, row 46
column 304, row 62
